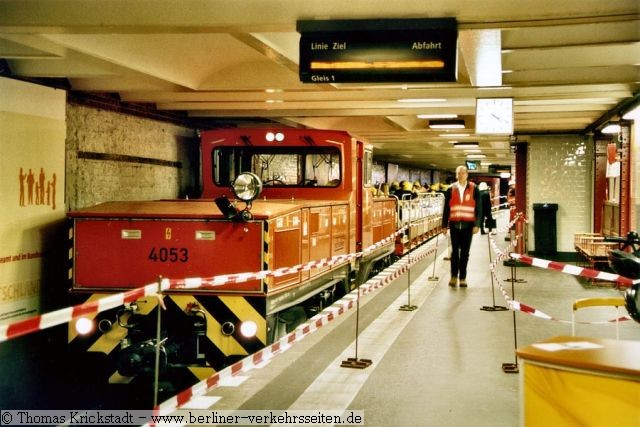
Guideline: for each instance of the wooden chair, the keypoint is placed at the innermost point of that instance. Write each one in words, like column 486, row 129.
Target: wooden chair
column 616, row 302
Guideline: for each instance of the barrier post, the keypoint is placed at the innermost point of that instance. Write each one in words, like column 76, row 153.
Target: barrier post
column 408, row 306
column 354, row 362
column 512, row 368
column 493, row 307
column 433, row 277
column 519, row 247
column 156, row 374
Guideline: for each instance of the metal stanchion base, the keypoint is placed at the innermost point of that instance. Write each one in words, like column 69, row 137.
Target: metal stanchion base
column 434, row 278
column 514, row 280
column 510, row 368
column 494, row 308
column 408, row 307
column 355, row 363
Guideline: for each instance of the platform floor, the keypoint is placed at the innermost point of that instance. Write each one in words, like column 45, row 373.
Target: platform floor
column 438, row 365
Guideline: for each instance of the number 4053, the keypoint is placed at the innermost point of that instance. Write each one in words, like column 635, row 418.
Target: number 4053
column 169, row 254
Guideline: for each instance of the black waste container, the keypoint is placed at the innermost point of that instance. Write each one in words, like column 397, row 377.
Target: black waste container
column 544, row 217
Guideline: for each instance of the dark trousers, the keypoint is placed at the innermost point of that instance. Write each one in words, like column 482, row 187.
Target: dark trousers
column 461, row 234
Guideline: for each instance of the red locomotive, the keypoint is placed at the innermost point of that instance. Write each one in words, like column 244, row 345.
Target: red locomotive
column 300, row 195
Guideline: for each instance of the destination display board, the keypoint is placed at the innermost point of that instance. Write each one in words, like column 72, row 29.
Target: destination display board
column 396, row 50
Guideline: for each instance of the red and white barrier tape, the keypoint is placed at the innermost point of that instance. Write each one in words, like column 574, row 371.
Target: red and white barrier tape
column 527, row 309
column 58, row 317
column 575, row 270
column 327, row 315
column 565, row 268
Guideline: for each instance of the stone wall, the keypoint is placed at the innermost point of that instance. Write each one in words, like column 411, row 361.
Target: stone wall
column 116, row 156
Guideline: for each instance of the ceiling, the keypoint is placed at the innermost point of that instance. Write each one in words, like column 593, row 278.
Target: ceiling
column 564, row 63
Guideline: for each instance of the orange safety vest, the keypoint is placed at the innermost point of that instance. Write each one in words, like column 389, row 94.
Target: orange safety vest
column 462, row 210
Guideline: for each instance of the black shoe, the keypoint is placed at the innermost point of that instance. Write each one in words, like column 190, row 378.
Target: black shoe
column 462, row 283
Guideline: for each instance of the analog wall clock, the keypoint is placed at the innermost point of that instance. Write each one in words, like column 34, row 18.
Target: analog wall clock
column 494, row 116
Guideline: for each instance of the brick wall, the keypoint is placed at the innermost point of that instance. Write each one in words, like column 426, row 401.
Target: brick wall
column 559, row 170
column 115, row 156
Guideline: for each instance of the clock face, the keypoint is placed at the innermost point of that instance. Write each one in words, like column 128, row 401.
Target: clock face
column 494, row 116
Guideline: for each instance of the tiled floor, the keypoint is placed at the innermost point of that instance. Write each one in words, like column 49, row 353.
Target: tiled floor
column 438, row 365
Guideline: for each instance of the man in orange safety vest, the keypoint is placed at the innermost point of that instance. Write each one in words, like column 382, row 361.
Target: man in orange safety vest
column 461, row 217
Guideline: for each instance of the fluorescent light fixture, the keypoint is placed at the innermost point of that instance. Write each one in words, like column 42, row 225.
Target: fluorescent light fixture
column 422, row 100
column 454, row 135
column 476, row 156
column 632, row 114
column 494, row 88
column 475, row 150
column 446, row 124
column 437, row 116
column 470, row 144
column 611, row 127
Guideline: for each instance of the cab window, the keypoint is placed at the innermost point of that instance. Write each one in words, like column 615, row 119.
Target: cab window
column 368, row 169
column 279, row 166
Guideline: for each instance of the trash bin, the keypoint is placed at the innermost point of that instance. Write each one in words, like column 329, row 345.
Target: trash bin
column 544, row 217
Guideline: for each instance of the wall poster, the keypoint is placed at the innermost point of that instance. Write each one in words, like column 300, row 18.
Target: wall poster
column 32, row 143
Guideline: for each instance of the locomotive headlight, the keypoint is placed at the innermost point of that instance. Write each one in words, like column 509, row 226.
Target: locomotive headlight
column 247, row 186
column 248, row 329
column 84, row 326
column 270, row 136
column 228, row 328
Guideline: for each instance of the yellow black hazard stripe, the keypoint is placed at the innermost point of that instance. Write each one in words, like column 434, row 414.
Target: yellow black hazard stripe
column 220, row 309
column 219, row 348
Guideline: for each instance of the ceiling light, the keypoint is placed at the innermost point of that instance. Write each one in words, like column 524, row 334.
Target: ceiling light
column 611, row 127
column 476, row 156
column 437, row 116
column 422, row 100
column 446, row 124
column 454, row 135
column 494, row 88
column 469, row 144
column 474, row 150
column 632, row 114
